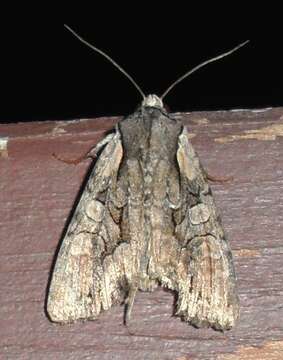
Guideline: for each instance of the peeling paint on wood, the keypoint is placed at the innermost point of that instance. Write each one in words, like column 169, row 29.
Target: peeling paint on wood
column 272, row 350
column 267, row 133
column 4, row 147
column 201, row 121
column 246, row 253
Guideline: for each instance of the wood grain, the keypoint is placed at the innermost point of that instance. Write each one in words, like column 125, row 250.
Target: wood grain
column 37, row 193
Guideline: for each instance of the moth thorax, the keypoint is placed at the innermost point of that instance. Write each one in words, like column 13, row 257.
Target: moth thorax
column 152, row 100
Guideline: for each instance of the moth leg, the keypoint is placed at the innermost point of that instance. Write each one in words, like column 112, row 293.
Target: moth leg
column 70, row 161
column 91, row 153
column 217, row 179
column 129, row 302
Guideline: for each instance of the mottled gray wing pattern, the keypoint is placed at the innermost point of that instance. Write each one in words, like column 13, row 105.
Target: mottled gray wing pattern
column 82, row 285
column 206, row 287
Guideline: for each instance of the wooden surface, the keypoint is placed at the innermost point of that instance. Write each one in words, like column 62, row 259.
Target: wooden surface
column 37, row 193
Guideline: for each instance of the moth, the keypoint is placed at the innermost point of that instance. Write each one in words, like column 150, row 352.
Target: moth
column 146, row 218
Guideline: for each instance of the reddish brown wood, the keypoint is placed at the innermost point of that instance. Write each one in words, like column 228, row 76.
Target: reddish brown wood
column 37, row 193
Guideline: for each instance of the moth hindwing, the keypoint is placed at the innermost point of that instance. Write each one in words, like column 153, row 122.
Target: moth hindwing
column 146, row 217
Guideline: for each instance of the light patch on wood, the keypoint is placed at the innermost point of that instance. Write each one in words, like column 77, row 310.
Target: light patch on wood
column 4, row 147
column 246, row 253
column 266, row 134
column 202, row 121
column 271, row 350
column 59, row 129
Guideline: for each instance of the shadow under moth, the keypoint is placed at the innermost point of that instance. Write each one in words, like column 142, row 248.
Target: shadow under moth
column 146, row 218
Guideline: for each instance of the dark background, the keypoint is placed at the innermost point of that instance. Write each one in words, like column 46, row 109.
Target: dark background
column 47, row 74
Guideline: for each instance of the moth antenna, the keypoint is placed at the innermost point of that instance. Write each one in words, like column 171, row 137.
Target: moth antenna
column 108, row 58
column 200, row 66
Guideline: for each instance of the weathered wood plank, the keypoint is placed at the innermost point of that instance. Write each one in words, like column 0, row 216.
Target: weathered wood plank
column 37, row 193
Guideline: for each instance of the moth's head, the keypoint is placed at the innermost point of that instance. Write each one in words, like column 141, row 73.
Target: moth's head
column 152, row 101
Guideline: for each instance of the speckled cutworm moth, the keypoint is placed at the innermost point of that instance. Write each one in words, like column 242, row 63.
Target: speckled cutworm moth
column 146, row 218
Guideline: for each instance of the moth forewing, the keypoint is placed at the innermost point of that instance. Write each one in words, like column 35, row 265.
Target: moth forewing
column 207, row 294
column 78, row 286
